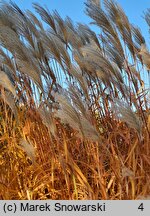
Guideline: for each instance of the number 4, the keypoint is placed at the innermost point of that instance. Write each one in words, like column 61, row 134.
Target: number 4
column 141, row 207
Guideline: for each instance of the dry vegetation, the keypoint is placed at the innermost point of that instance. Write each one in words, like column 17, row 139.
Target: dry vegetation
column 90, row 137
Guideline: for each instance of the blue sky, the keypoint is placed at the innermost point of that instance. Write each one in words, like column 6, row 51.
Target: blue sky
column 75, row 9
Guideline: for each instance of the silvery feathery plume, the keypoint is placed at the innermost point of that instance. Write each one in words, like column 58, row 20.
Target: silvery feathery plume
column 6, row 83
column 47, row 119
column 124, row 112
column 72, row 114
column 96, row 2
column 145, row 56
column 28, row 148
column 10, row 101
column 77, row 73
column 91, row 50
column 147, row 16
column 126, row 172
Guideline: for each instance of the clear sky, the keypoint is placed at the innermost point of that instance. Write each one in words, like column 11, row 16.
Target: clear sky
column 75, row 9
